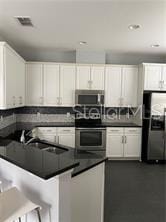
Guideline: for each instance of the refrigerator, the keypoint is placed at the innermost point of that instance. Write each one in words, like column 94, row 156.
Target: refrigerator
column 154, row 127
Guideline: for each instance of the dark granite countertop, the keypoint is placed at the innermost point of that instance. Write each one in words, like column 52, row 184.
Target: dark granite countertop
column 120, row 124
column 45, row 164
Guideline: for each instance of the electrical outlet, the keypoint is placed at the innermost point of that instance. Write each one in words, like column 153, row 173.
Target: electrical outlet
column 38, row 115
column 68, row 115
column 1, row 118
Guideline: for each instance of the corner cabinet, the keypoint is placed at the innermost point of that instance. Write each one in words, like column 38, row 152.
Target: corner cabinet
column 154, row 77
column 90, row 77
column 123, row 143
column 12, row 78
column 121, row 85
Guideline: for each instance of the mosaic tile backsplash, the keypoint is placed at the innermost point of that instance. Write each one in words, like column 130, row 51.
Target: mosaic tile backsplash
column 61, row 114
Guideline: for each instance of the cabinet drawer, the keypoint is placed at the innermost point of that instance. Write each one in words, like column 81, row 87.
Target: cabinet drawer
column 133, row 130
column 47, row 130
column 66, row 130
column 115, row 130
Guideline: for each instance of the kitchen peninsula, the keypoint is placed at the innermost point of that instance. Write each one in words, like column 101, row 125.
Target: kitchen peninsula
column 62, row 182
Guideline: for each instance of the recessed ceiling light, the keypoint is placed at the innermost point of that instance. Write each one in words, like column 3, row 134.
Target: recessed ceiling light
column 82, row 43
column 155, row 46
column 134, row 27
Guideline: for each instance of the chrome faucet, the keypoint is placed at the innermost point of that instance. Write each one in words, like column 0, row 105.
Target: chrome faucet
column 22, row 138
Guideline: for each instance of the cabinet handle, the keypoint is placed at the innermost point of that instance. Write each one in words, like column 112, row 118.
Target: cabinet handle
column 125, row 139
column 60, row 100
column 14, row 100
column 20, row 100
column 90, row 82
column 41, row 100
column 114, row 130
column 160, row 84
column 122, row 139
column 121, row 101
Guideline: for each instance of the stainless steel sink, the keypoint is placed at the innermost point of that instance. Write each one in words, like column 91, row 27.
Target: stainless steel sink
column 55, row 150
column 38, row 145
column 47, row 147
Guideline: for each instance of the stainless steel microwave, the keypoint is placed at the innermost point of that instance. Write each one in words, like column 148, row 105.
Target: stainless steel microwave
column 89, row 97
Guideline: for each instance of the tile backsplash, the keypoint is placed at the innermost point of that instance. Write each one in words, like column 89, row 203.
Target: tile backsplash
column 7, row 121
column 62, row 114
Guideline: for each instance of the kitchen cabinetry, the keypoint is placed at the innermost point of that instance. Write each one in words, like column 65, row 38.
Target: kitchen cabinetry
column 67, row 85
column 123, row 142
column 34, row 83
column 90, row 77
column 50, row 84
column 154, row 77
column 66, row 136
column 121, row 85
column 61, row 135
column 12, row 78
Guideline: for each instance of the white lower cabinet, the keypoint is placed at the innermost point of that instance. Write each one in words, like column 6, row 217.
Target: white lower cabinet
column 132, row 146
column 61, row 135
column 123, row 142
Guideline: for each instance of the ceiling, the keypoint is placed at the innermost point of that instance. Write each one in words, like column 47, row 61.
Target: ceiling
column 60, row 25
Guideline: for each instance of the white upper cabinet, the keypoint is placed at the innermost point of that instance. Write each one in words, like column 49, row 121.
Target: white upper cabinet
column 12, row 78
column 153, row 77
column 113, row 86
column 34, row 84
column 129, row 86
column 97, row 77
column 121, row 84
column 51, row 84
column 67, row 85
column 90, row 77
column 83, row 77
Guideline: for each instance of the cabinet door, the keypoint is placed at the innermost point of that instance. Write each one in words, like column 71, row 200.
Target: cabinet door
column 83, row 77
column 97, row 77
column 113, row 86
column 10, row 77
column 114, row 145
column 34, row 89
column 129, row 86
column 51, row 85
column 132, row 146
column 67, row 85
column 152, row 77
column 66, row 140
column 20, row 83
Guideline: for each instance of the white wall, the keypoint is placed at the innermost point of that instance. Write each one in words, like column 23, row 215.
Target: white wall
column 90, row 57
column 48, row 55
column 131, row 59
